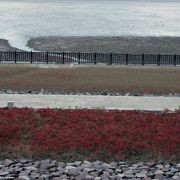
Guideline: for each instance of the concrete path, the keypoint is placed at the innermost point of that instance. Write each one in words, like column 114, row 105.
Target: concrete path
column 82, row 101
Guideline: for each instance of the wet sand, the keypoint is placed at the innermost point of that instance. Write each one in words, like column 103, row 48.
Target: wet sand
column 131, row 44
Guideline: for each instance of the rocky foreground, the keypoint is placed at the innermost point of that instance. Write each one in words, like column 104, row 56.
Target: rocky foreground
column 52, row 169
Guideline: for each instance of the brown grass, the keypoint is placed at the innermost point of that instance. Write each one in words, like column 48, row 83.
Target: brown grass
column 92, row 79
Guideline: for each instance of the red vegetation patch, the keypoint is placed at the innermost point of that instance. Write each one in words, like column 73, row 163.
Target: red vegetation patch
column 117, row 132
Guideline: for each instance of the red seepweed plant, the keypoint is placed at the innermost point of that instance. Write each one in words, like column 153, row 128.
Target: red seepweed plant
column 119, row 133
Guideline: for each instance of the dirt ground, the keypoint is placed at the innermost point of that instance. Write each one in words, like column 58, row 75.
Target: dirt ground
column 93, row 78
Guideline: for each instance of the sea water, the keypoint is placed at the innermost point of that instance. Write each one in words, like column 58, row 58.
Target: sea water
column 21, row 20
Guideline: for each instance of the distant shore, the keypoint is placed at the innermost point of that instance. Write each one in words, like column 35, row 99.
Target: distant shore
column 4, row 46
column 119, row 44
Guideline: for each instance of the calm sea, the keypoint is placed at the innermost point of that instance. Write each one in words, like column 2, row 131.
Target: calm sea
column 22, row 19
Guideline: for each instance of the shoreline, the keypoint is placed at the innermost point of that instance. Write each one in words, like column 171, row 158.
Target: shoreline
column 115, row 44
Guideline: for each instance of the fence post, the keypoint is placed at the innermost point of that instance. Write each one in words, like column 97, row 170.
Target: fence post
column 127, row 55
column 143, row 59
column 159, row 59
column 174, row 59
column 31, row 54
column 63, row 58
column 47, row 57
column 79, row 58
column 15, row 56
column 110, row 58
column 0, row 56
column 95, row 57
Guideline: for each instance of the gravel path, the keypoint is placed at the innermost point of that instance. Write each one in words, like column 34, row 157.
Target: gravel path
column 53, row 170
column 91, row 101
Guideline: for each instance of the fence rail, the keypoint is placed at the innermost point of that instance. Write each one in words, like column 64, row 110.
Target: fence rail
column 82, row 58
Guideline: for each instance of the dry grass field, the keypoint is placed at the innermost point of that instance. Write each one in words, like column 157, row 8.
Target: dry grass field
column 92, row 79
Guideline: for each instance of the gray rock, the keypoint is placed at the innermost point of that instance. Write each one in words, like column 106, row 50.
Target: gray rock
column 167, row 166
column 113, row 177
column 70, row 167
column 8, row 162
column 158, row 172
column 55, row 174
column 43, row 167
column 36, row 164
column 165, row 169
column 129, row 175
column 118, row 170
column 105, row 178
column 107, row 166
column 94, row 174
column 97, row 178
column 114, row 164
column 44, row 177
column 9, row 178
column 56, row 178
column 141, row 175
column 169, row 173
column 63, row 176
column 174, row 170
column 122, row 163
column 45, row 161
column 82, row 175
column 159, row 166
column 86, row 164
column 4, row 173
column 24, row 173
column 31, row 168
column 51, row 169
column 176, row 178
column 61, row 164
column 159, row 176
column 60, row 170
column 71, row 164
column 150, row 174
column 134, row 166
column 54, row 169
column 2, row 178
column 88, row 177
column 178, row 166
column 88, row 170
column 23, row 178
column 143, row 168
column 24, row 161
column 35, row 176
column 146, row 178
column 120, row 175
column 105, row 174
column 76, row 163
column 73, row 172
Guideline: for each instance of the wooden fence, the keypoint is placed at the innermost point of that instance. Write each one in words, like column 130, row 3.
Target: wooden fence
column 82, row 58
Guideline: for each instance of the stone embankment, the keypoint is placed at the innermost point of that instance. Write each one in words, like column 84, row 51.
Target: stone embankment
column 51, row 169
column 103, row 93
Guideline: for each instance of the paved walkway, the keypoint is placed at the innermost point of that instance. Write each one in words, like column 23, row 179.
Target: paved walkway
column 82, row 101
